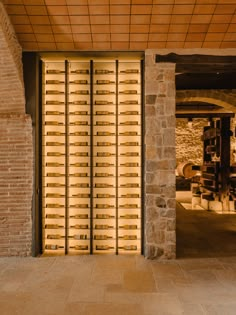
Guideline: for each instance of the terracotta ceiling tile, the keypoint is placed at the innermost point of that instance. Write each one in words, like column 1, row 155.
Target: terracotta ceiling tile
column 198, row 28
column 178, row 28
column 193, row 44
column 57, row 10
column 124, row 28
column 140, row 19
column 15, row 9
column 120, row 9
column 181, row 19
column 233, row 19
column 214, row 37
column 230, row 37
column 215, row 28
column 119, row 45
column 158, row 37
column 227, row 1
column 83, row 45
column 160, row 19
column 34, row 2
column 23, row 28
column 77, row 2
column 42, row 29
column 141, row 1
column 141, row 9
column 185, row 1
column 155, row 45
column 176, row 37
column 201, row 19
column 60, row 28
column 138, row 45
column 204, row 9
column 162, row 9
column 102, row 45
column 101, row 37
column 103, row 29
column 63, row 38
column 136, row 28
column 225, row 9
column 228, row 45
column 79, row 19
column 138, row 37
column 19, row 19
column 44, row 38
column 99, row 19
column 80, row 28
column 120, row 37
column 232, row 28
column 120, row 19
column 98, row 2
column 208, row 1
column 211, row 45
column 159, row 28
column 32, row 46
column 180, row 9
column 26, row 37
column 98, row 9
column 82, row 37
column 221, row 18
column 59, row 19
column 65, row 46
column 195, row 37
column 114, row 2
column 55, row 2
column 163, row 1
column 78, row 9
column 47, row 46
column 174, row 45
column 39, row 20
column 36, row 10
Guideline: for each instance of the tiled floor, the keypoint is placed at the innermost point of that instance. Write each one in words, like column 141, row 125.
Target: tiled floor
column 128, row 285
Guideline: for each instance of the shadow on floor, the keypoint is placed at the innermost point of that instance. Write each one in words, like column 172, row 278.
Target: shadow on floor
column 202, row 234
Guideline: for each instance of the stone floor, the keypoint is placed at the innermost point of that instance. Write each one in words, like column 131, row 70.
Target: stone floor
column 199, row 281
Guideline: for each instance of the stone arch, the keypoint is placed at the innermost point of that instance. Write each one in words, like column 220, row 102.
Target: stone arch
column 223, row 98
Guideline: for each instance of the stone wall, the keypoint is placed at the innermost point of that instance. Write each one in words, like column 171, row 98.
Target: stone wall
column 16, row 150
column 160, row 213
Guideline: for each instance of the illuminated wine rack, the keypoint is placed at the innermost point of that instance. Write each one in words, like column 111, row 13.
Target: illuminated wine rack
column 91, row 156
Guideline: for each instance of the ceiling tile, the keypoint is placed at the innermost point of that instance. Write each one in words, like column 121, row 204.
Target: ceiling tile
column 119, row 45
column 232, row 28
column 141, row 1
column 102, row 45
column 96, row 29
column 98, row 9
column 214, row 37
column 60, row 29
column 211, row 45
column 65, row 46
column 140, row 19
column 79, row 19
column 124, row 28
column 83, row 45
column 185, row 1
column 201, row 18
column 204, row 9
column 114, row 2
column 55, row 2
column 42, row 29
column 15, row 9
column 47, row 46
column 198, row 28
column 181, row 19
column 225, row 9
column 120, row 37
column 215, row 28
column 63, row 38
column 34, row 2
column 227, row 1
column 141, row 9
column 208, row 1
column 44, row 38
column 156, row 45
column 77, row 2
column 78, row 9
column 120, row 19
column 99, row 19
column 158, row 37
column 160, row 19
column 59, row 19
column 178, row 28
column 36, row 10
column 177, row 44
column 57, row 10
column 25, row 28
column 98, row 2
column 138, row 45
column 159, row 28
column 100, row 37
column 120, row 9
column 176, row 37
column 39, row 20
column 135, row 28
column 221, row 18
column 80, row 28
column 19, row 19
column 82, row 37
column 233, row 19
column 230, row 37
column 228, row 45
column 180, row 9
column 192, row 44
column 138, row 37
column 32, row 46
column 195, row 37
column 162, row 9
column 26, row 37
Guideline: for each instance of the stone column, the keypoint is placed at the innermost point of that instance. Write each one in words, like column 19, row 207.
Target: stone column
column 160, row 161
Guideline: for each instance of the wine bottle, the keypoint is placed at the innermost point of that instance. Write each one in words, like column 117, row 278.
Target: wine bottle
column 128, row 247
column 103, row 112
column 79, row 174
column 103, row 185
column 130, row 102
column 79, row 82
column 130, row 185
column 130, row 154
column 104, row 144
column 78, row 103
column 55, row 175
column 80, row 185
column 79, row 236
column 105, row 133
column 128, row 133
column 81, row 195
column 132, row 122
column 55, row 154
column 128, row 227
column 79, row 164
column 55, row 71
column 128, row 92
column 54, row 123
column 80, row 226
column 103, row 71
column 102, row 237
column 130, row 196
column 54, row 112
column 129, row 175
column 130, row 164
column 80, row 71
column 103, row 175
column 105, row 154
column 53, row 247
column 52, row 195
column 79, row 154
column 54, row 216
column 104, row 92
column 80, row 206
column 104, row 82
column 79, row 216
column 54, row 143
column 54, row 164
column 129, row 205
column 79, row 144
column 80, row 92
column 79, row 133
column 103, row 227
column 55, row 185
column 54, row 103
column 102, row 102
column 53, row 226
column 104, row 164
column 104, row 206
column 104, row 247
column 130, row 112
column 78, row 123
column 104, row 216
column 54, row 92
column 104, row 123
column 134, row 143
column 129, row 81
column 55, row 133
column 54, row 82
column 129, row 216
column 128, row 237
column 105, row 196
column 130, row 71
column 80, row 247
column 54, row 205
column 54, row 236
column 79, row 112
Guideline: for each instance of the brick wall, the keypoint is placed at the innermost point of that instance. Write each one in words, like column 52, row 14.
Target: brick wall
column 16, row 150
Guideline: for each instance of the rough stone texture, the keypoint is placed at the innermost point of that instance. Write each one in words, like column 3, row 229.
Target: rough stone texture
column 16, row 149
column 160, row 240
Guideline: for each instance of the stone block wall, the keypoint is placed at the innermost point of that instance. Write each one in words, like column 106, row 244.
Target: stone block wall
column 160, row 212
column 16, row 149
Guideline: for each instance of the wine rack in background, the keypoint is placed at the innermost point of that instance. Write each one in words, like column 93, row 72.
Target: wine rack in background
column 91, row 156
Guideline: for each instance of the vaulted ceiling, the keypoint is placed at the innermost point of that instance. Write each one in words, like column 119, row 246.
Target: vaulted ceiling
column 123, row 24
